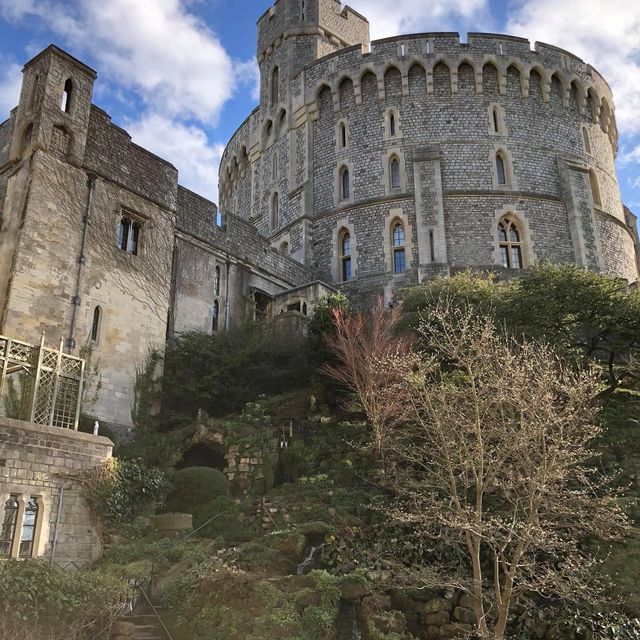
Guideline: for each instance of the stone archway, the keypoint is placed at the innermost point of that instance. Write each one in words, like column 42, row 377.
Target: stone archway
column 204, row 454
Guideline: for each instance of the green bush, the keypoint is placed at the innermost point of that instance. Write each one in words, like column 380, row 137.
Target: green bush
column 195, row 486
column 120, row 490
column 227, row 525
column 39, row 602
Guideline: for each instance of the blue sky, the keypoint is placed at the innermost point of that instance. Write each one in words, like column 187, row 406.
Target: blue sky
column 180, row 75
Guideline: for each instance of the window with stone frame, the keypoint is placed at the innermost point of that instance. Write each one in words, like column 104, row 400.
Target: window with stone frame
column 586, row 145
column 394, row 172
column 343, row 135
column 345, row 184
column 215, row 316
column 275, row 211
column 129, row 232
column 95, row 324
column 344, row 252
column 275, row 86
column 392, row 124
column 398, row 247
column 29, row 523
column 67, row 96
column 9, row 526
column 501, row 169
column 510, row 243
column 595, row 189
column 216, row 282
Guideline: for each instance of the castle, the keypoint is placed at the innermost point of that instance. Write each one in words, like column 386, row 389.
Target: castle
column 366, row 167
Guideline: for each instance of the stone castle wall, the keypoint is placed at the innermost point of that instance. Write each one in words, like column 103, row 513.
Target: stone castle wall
column 45, row 462
column 441, row 93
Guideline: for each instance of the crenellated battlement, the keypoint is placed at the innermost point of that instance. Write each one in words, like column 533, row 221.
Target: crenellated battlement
column 558, row 72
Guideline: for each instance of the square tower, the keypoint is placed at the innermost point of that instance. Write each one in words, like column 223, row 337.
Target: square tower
column 55, row 103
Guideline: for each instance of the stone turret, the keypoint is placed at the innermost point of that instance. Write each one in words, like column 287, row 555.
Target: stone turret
column 55, row 102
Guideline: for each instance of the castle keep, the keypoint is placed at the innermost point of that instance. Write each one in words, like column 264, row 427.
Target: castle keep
column 365, row 167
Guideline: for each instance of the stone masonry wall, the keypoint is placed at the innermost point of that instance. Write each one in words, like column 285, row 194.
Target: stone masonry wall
column 110, row 153
column 42, row 461
column 549, row 105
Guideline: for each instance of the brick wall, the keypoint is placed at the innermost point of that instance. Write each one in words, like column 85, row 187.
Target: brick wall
column 42, row 461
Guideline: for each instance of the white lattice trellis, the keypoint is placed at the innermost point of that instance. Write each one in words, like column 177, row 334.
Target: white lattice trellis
column 51, row 377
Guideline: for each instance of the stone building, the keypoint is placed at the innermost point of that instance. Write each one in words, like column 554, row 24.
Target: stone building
column 365, row 167
column 100, row 245
column 382, row 164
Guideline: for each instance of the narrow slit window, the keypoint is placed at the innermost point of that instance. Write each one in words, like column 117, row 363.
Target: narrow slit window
column 595, row 189
column 275, row 89
column 275, row 211
column 8, row 531
column 398, row 242
column 215, row 316
column 67, row 95
column 345, row 256
column 394, row 173
column 343, row 136
column 216, row 282
column 29, row 523
column 274, row 167
column 345, row 185
column 495, row 119
column 95, row 324
column 392, row 124
column 501, row 170
column 432, row 251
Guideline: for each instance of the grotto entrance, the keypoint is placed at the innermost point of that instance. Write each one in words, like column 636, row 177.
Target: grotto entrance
column 204, row 455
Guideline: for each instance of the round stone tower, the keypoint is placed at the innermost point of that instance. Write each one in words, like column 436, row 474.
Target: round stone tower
column 382, row 165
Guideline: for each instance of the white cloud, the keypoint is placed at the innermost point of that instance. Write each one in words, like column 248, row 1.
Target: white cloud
column 10, row 83
column 411, row 16
column 248, row 73
column 185, row 146
column 604, row 34
column 155, row 47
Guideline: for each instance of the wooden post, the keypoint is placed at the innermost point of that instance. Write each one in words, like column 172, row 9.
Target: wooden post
column 56, row 384
column 36, row 386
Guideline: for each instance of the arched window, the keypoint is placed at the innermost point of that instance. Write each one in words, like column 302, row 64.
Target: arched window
column 29, row 523
column 394, row 172
column 275, row 211
column 344, row 242
column 128, row 235
column 216, row 282
column 65, row 104
column 595, row 189
column 275, row 89
column 8, row 530
column 585, row 140
column 510, row 243
column 343, row 135
column 95, row 324
column 501, row 170
column 274, row 166
column 392, row 124
column 215, row 315
column 284, row 248
column 398, row 247
column 345, row 185
column 495, row 120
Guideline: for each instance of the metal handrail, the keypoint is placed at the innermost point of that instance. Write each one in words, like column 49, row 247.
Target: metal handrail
column 177, row 544
column 155, row 612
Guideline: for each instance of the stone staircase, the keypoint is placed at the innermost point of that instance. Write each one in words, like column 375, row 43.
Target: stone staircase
column 142, row 624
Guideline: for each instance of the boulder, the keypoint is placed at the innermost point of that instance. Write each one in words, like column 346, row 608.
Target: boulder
column 438, row 619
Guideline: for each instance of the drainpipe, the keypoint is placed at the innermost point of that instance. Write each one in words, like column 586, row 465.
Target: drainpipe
column 55, row 535
column 86, row 221
column 226, row 295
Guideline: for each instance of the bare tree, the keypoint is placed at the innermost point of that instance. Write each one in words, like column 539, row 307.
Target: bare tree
column 491, row 456
column 365, row 347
